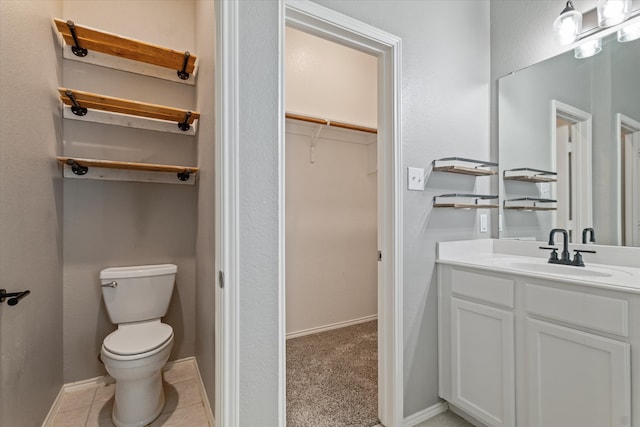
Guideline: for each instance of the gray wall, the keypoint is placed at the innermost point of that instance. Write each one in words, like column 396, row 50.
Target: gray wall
column 110, row 223
column 445, row 112
column 30, row 213
column 205, row 268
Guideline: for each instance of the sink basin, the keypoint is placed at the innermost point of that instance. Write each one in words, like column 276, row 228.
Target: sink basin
column 566, row 270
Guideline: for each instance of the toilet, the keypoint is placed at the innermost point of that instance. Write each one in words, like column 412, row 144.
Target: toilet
column 136, row 299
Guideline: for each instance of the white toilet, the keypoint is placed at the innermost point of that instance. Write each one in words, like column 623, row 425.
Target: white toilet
column 134, row 354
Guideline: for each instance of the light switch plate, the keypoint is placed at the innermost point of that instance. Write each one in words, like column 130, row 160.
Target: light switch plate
column 415, row 179
column 483, row 223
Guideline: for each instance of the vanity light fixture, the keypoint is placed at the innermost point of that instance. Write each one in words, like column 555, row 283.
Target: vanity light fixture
column 568, row 25
column 587, row 49
column 630, row 32
column 612, row 12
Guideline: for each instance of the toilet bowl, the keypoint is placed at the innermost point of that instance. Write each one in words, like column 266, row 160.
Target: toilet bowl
column 136, row 298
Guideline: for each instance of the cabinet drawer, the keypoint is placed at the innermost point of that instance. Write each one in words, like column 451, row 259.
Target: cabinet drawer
column 483, row 287
column 591, row 311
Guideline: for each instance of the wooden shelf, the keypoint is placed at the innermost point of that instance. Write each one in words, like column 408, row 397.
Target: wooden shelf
column 533, row 175
column 93, row 101
column 330, row 123
column 464, row 168
column 531, row 208
column 458, row 201
column 80, row 167
column 119, row 47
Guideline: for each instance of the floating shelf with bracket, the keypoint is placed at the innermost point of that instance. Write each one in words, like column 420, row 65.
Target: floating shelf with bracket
column 462, row 201
column 91, row 107
column 529, row 175
column 75, row 167
column 464, row 166
column 109, row 50
column 530, row 204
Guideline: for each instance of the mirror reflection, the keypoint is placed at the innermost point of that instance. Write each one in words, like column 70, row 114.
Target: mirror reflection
column 569, row 147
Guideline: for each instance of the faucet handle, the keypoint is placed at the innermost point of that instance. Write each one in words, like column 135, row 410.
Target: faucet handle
column 554, row 252
column 577, row 260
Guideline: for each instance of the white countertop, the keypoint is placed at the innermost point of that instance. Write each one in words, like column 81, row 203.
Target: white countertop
column 611, row 267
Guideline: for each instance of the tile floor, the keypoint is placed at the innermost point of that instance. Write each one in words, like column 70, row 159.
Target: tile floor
column 91, row 405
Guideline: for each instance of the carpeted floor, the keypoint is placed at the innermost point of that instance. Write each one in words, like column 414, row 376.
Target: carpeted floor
column 332, row 378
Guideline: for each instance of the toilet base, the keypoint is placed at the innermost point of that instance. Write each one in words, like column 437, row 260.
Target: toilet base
column 138, row 403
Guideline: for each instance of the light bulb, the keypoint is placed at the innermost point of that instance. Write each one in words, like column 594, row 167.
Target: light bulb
column 612, row 12
column 568, row 25
column 630, row 32
column 588, row 49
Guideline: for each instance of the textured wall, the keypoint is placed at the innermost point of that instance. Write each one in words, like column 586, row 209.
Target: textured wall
column 124, row 223
column 205, row 268
column 30, row 212
column 331, row 233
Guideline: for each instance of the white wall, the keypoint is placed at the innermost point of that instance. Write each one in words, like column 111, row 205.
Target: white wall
column 330, row 81
column 205, row 268
column 331, row 232
column 123, row 223
column 30, row 212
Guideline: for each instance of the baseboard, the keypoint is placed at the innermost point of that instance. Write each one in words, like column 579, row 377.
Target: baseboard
column 470, row 418
column 205, row 399
column 54, row 408
column 325, row 328
column 425, row 414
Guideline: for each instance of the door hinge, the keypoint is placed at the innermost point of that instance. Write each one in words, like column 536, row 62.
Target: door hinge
column 379, row 255
column 221, row 279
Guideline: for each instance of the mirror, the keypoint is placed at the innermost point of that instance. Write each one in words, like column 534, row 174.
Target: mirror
column 569, row 146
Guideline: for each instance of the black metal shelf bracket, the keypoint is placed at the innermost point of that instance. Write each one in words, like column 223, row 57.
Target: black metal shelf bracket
column 75, row 108
column 77, row 169
column 14, row 297
column 184, row 175
column 77, row 49
column 184, row 125
column 183, row 73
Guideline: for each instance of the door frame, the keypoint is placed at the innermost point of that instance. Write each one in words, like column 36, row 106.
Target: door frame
column 633, row 126
column 328, row 24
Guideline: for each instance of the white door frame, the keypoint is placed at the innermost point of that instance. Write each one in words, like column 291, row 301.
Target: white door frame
column 328, row 24
column 582, row 193
column 633, row 126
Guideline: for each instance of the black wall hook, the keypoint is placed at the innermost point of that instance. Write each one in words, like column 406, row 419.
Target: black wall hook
column 184, row 125
column 75, row 108
column 77, row 49
column 184, row 175
column 183, row 73
column 14, row 297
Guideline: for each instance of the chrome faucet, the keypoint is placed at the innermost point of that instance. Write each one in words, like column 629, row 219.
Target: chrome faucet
column 584, row 235
column 565, row 257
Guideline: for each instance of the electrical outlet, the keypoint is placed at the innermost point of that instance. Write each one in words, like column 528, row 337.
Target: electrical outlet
column 415, row 179
column 483, row 223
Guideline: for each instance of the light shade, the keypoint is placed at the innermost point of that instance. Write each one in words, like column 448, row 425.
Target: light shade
column 588, row 49
column 568, row 25
column 630, row 32
column 612, row 12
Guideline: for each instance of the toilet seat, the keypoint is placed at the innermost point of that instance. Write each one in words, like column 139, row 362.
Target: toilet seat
column 138, row 338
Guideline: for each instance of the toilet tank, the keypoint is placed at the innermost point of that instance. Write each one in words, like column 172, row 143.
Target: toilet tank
column 137, row 293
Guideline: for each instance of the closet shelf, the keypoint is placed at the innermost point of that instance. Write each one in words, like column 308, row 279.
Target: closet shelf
column 465, row 169
column 80, row 167
column 529, row 175
column 83, row 41
column 333, row 123
column 530, row 204
column 461, row 201
column 79, row 103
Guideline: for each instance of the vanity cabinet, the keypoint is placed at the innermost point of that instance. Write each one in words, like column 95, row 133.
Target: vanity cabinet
column 522, row 351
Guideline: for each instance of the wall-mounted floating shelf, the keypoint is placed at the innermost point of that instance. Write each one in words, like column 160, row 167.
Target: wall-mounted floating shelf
column 464, row 166
column 461, row 201
column 120, row 111
column 529, row 175
column 126, row 171
column 109, row 50
column 530, row 204
column 333, row 123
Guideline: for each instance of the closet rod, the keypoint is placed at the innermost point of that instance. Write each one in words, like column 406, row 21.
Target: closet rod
column 330, row 123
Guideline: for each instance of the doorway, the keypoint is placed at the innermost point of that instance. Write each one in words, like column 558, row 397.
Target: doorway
column 628, row 144
column 329, row 25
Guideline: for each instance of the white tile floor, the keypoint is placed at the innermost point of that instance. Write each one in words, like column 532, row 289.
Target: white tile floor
column 91, row 405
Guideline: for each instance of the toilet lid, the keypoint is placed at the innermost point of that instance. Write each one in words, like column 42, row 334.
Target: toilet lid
column 138, row 338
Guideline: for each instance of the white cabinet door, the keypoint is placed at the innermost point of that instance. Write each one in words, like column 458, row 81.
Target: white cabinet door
column 576, row 378
column 483, row 374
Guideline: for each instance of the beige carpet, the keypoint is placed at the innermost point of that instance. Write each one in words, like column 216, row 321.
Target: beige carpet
column 332, row 378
